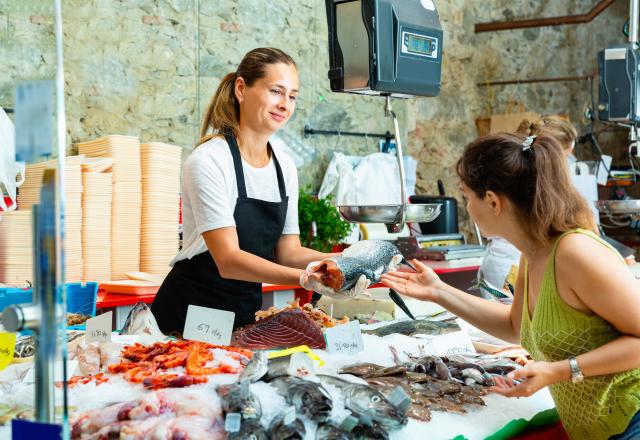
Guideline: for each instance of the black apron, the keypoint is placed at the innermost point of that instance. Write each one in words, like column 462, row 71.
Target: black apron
column 197, row 281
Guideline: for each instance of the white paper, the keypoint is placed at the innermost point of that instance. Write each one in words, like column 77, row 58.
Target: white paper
column 452, row 343
column 99, row 328
column 588, row 188
column 345, row 338
column 602, row 171
column 208, row 325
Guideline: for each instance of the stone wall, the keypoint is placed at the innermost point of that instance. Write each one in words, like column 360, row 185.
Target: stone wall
column 148, row 68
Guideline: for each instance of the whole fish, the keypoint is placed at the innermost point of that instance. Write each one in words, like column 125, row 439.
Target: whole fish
column 279, row 430
column 370, row 258
column 309, row 398
column 249, row 430
column 237, row 398
column 368, row 404
column 141, row 321
column 410, row 328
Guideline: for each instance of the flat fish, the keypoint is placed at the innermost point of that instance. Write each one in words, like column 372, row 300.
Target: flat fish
column 421, row 326
column 370, row 258
column 286, row 329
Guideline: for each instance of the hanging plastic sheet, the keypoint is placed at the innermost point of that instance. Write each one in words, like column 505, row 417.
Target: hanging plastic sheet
column 367, row 180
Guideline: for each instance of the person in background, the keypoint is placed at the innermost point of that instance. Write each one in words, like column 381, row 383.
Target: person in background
column 240, row 199
column 499, row 265
column 576, row 305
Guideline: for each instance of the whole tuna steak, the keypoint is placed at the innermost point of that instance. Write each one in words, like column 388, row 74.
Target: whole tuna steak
column 370, row 258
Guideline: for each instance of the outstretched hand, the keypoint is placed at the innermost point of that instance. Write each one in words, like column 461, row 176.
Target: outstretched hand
column 530, row 379
column 422, row 284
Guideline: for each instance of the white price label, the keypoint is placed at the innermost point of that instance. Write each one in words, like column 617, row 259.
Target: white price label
column 99, row 328
column 345, row 338
column 452, row 343
column 209, row 325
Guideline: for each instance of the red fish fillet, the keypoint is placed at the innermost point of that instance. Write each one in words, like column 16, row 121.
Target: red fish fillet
column 286, row 329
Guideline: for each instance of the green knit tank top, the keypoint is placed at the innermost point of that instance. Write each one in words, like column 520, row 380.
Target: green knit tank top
column 600, row 406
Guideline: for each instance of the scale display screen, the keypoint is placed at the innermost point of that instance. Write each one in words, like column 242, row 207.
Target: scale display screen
column 419, row 45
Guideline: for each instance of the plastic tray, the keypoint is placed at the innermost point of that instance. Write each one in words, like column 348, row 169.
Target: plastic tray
column 131, row 287
column 12, row 295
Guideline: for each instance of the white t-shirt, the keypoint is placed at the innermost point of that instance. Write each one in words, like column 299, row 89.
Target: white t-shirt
column 209, row 192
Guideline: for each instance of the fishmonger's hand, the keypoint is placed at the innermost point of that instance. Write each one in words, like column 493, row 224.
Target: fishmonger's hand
column 311, row 281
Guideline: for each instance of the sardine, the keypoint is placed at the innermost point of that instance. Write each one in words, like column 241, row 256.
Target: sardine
column 278, row 430
column 411, row 327
column 368, row 404
column 309, row 398
column 141, row 321
column 370, row 258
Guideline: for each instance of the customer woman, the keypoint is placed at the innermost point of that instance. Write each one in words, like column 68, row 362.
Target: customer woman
column 500, row 263
column 576, row 306
column 240, row 199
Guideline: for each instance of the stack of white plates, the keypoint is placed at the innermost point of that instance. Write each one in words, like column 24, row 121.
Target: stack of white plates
column 97, row 182
column 16, row 252
column 160, row 206
column 127, row 199
column 29, row 194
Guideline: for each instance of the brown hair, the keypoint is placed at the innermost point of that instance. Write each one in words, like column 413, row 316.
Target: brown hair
column 559, row 128
column 536, row 180
column 223, row 112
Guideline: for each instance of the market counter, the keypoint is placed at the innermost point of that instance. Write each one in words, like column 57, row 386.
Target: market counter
column 458, row 273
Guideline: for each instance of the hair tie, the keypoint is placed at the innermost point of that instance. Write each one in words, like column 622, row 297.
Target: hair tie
column 526, row 145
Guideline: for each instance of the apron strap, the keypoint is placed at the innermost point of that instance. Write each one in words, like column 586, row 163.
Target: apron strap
column 237, row 165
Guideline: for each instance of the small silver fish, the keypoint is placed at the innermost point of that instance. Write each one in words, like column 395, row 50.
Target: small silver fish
column 328, row 431
column 141, row 321
column 279, row 430
column 249, row 430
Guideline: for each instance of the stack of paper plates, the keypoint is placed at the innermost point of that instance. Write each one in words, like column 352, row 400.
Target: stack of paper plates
column 160, row 206
column 16, row 252
column 126, row 204
column 97, row 182
column 29, row 194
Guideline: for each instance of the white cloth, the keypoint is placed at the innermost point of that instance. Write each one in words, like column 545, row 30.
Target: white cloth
column 9, row 168
column 209, row 192
column 497, row 262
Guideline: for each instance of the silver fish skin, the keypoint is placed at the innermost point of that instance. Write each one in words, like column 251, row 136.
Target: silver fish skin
column 370, row 258
column 368, row 404
column 249, row 430
column 309, row 398
column 141, row 321
column 256, row 368
column 372, row 432
column 293, row 431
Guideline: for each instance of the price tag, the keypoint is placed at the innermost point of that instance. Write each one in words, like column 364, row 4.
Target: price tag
column 452, row 343
column 99, row 328
column 232, row 422
column 344, row 339
column 7, row 347
column 208, row 325
column 21, row 429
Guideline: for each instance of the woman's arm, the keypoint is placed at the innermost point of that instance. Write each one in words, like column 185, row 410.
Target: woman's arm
column 490, row 316
column 237, row 264
column 289, row 252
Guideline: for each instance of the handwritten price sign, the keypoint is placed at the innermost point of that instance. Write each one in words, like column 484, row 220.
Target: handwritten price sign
column 99, row 328
column 344, row 339
column 7, row 346
column 208, row 325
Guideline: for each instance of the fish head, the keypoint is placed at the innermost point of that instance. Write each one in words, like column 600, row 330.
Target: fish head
column 365, row 400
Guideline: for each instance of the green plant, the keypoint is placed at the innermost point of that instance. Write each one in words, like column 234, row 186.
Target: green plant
column 329, row 228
